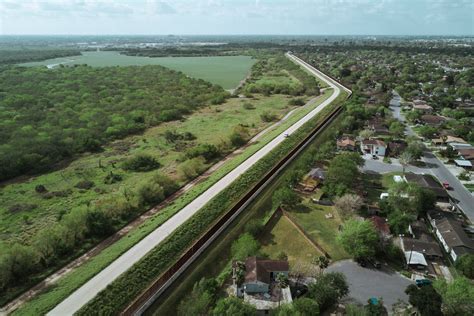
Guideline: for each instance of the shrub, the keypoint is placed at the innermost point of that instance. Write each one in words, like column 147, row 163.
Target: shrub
column 98, row 224
column 85, row 184
column 150, row 193
column 297, row 101
column 191, row 168
column 268, row 117
column 141, row 163
column 208, row 151
column 248, row 106
column 112, row 178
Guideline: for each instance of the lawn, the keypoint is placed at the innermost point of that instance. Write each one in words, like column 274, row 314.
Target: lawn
column 226, row 71
column 311, row 217
column 282, row 236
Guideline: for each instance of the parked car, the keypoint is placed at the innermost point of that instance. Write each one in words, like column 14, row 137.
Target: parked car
column 375, row 157
column 423, row 282
column 447, row 186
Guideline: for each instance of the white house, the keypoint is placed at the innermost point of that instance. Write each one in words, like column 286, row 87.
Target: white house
column 373, row 147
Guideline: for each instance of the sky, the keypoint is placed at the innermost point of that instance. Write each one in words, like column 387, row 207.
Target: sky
column 192, row 17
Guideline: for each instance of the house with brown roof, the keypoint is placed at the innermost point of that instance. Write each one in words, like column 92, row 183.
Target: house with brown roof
column 452, row 237
column 433, row 120
column 381, row 226
column 467, row 154
column 346, row 143
column 373, row 147
column 396, row 147
column 260, row 273
column 429, row 182
column 378, row 126
column 422, row 107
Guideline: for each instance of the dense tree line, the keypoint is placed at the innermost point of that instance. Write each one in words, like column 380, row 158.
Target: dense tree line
column 280, row 66
column 47, row 115
column 13, row 56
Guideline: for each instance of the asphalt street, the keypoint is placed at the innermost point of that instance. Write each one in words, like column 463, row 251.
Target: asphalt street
column 464, row 198
column 91, row 288
column 365, row 283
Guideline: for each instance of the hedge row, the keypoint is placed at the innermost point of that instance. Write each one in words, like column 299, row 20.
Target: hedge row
column 121, row 292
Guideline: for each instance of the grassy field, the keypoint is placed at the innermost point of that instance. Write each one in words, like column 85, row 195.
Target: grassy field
column 311, row 218
column 67, row 284
column 282, row 236
column 226, row 71
column 210, row 125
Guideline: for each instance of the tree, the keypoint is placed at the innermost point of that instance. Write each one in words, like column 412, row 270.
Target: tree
column 342, row 172
column 282, row 282
column 193, row 167
column 328, row 289
column 457, row 296
column 141, row 163
column 405, row 159
column 397, row 129
column 244, row 247
column 200, row 299
column 99, row 224
column 399, row 221
column 375, row 309
column 425, row 299
column 233, row 306
column 322, row 262
column 347, row 204
column 359, row 238
column 150, row 193
column 427, row 131
column 306, row 307
column 465, row 264
column 415, row 148
column 286, row 197
column 366, row 133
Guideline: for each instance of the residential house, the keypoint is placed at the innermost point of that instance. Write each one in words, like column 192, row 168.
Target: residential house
column 421, row 106
column 452, row 237
column 314, row 178
column 421, row 241
column 396, row 147
column 382, row 227
column 467, row 154
column 346, row 143
column 260, row 273
column 415, row 260
column 378, row 126
column 433, row 120
column 373, row 147
column 466, row 164
column 452, row 139
column 429, row 182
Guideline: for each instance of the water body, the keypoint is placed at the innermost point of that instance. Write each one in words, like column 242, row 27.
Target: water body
column 226, row 71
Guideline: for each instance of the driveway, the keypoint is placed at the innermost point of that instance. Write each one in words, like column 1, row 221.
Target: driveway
column 378, row 166
column 365, row 283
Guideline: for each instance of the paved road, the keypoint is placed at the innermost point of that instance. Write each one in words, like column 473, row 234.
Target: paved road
column 90, row 289
column 438, row 169
column 365, row 283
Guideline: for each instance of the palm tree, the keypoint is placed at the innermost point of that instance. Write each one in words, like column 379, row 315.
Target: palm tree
column 405, row 159
column 282, row 282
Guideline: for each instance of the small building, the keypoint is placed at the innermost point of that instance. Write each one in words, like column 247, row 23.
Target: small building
column 378, row 126
column 395, row 148
column 260, row 273
column 312, row 179
column 433, row 120
column 373, row 147
column 346, row 143
column 466, row 164
column 422, row 107
column 415, row 260
column 452, row 139
column 466, row 153
column 429, row 182
column 453, row 238
column 381, row 226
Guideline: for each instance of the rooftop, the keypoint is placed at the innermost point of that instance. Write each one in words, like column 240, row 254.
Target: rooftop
column 257, row 269
column 453, row 233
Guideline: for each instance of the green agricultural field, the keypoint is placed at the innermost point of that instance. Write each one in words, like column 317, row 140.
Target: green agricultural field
column 323, row 230
column 226, row 71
